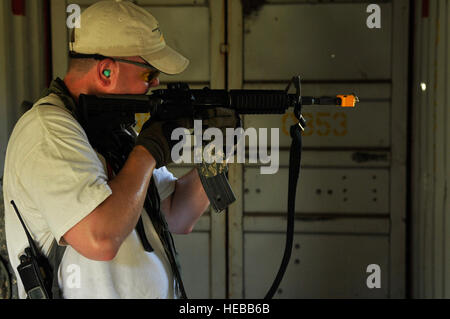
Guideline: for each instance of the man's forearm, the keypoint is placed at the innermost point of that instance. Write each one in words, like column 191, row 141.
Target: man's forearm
column 99, row 235
column 189, row 202
column 129, row 189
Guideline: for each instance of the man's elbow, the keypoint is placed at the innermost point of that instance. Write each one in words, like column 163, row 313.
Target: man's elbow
column 104, row 250
column 180, row 229
column 187, row 230
column 96, row 249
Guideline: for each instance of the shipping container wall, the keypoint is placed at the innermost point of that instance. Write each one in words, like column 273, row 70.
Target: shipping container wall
column 22, row 63
column 431, row 151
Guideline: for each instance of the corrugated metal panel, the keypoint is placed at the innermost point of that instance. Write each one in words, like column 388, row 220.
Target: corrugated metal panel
column 22, row 74
column 22, row 64
column 431, row 149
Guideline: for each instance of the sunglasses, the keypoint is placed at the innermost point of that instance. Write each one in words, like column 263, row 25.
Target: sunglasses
column 147, row 76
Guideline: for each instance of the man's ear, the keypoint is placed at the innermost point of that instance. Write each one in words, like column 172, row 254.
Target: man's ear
column 107, row 73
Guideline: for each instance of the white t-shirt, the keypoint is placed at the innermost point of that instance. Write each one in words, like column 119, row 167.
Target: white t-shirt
column 56, row 179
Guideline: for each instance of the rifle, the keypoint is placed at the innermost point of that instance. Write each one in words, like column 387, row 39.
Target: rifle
column 113, row 111
column 177, row 101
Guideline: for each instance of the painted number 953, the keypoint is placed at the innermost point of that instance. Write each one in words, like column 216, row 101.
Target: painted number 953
column 319, row 123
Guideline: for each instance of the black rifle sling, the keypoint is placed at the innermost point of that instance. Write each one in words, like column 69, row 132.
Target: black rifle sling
column 54, row 258
column 295, row 154
column 152, row 206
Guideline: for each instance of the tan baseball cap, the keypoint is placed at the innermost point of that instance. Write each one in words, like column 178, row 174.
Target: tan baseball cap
column 122, row 29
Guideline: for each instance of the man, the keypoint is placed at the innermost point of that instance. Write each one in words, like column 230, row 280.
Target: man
column 61, row 185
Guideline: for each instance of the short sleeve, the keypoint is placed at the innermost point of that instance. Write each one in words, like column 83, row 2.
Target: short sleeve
column 164, row 181
column 63, row 174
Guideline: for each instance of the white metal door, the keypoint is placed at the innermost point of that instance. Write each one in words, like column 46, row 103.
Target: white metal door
column 351, row 197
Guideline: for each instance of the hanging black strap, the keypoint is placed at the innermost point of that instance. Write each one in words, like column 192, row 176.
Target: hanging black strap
column 294, row 172
column 153, row 209
column 142, row 236
column 55, row 257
